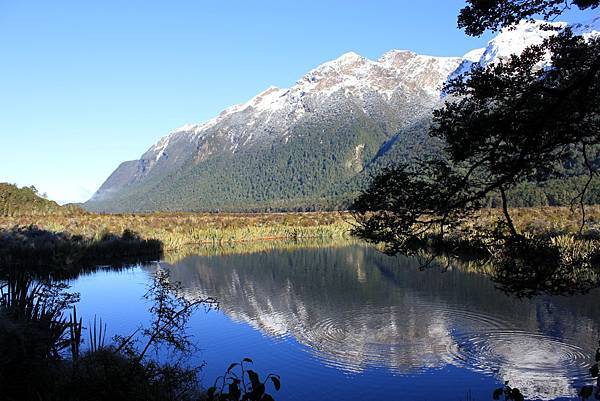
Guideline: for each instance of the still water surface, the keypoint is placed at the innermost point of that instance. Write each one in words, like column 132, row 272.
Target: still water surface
column 350, row 323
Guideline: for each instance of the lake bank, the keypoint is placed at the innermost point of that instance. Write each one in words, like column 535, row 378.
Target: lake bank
column 94, row 237
column 176, row 230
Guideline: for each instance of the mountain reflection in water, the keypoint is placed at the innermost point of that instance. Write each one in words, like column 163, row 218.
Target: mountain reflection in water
column 355, row 308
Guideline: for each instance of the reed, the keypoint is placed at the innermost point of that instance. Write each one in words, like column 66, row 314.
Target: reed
column 177, row 230
column 75, row 330
column 97, row 335
column 250, row 247
column 180, row 230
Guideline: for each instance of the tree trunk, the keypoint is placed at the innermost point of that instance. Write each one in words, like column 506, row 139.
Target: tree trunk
column 509, row 221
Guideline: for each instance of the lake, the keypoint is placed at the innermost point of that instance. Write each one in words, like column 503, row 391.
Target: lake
column 347, row 322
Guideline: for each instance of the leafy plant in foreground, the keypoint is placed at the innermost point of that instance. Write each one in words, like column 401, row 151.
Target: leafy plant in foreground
column 243, row 385
column 508, row 393
column 587, row 391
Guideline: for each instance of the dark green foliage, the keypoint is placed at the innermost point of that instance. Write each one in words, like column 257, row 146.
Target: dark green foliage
column 239, row 383
column 15, row 201
column 587, row 391
column 508, row 393
column 552, row 192
column 480, row 15
column 64, row 254
column 403, row 204
column 505, row 127
column 108, row 374
column 35, row 336
column 33, row 333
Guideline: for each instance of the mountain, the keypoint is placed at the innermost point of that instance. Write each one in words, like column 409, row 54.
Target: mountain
column 310, row 146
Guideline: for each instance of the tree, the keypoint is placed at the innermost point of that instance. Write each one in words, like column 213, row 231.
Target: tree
column 515, row 121
column 481, row 15
column 518, row 120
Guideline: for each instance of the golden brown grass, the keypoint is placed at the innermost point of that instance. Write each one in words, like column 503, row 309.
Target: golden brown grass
column 176, row 230
column 251, row 247
column 541, row 220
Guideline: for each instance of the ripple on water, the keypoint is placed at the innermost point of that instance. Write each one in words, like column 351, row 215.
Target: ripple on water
column 411, row 337
column 540, row 366
column 420, row 336
column 520, row 350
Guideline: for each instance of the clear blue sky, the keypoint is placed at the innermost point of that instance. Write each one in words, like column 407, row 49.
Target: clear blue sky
column 85, row 85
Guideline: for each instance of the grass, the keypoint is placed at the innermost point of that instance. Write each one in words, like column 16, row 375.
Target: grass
column 217, row 232
column 542, row 220
column 251, row 247
column 177, row 230
column 559, row 226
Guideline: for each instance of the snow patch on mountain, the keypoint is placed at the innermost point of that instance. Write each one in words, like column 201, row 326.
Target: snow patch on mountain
column 350, row 76
column 587, row 28
column 515, row 39
column 161, row 146
column 474, row 55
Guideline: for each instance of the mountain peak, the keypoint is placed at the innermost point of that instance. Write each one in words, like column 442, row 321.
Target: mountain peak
column 394, row 54
column 474, row 55
column 349, row 57
column 347, row 62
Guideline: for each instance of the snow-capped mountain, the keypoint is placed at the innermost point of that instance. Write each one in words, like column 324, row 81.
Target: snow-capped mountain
column 396, row 77
column 339, row 119
column 515, row 39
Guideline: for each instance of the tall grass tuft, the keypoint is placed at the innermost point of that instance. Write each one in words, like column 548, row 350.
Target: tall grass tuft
column 97, row 335
column 75, row 329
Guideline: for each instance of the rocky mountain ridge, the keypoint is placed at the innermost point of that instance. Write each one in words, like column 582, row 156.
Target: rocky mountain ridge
column 358, row 106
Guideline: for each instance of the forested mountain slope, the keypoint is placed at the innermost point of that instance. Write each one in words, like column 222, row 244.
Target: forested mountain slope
column 15, row 201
